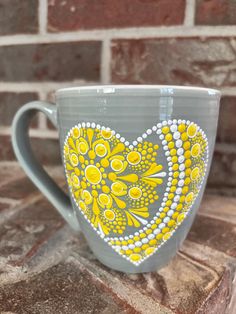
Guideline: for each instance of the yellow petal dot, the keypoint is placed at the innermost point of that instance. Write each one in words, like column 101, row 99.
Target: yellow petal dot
column 74, row 160
column 117, row 188
column 159, row 236
column 187, row 181
column 173, row 189
column 179, row 207
column 175, row 215
column 76, row 132
column 130, row 241
column 171, row 145
column 83, row 185
column 134, row 158
column 195, row 151
column 162, row 215
column 106, row 134
column 185, row 190
column 158, row 221
column 76, row 181
column 105, row 189
column 167, row 235
column 144, row 247
column 168, row 137
column 171, row 223
column 128, row 252
column 93, row 174
column 189, row 198
column 175, row 167
column 149, row 251
column 173, row 152
column 95, row 193
column 156, row 146
column 188, row 163
column 186, row 145
column 184, row 136
column 83, row 148
column 150, row 150
column 165, row 230
column 166, row 209
column 180, row 218
column 82, row 206
column 171, row 196
column 136, row 238
column 168, row 203
column 174, row 159
column 104, row 199
column 87, row 197
column 192, row 130
column 100, row 150
column 181, row 128
column 135, row 257
column 109, row 214
column 137, row 249
column 165, row 129
column 105, row 163
column 182, row 199
column 174, row 182
column 144, row 152
column 153, row 242
column 176, row 174
column 148, row 231
column 187, row 154
column 142, row 235
column 154, row 226
column 187, row 172
column 91, row 154
column 195, row 173
column 66, row 149
column 117, row 164
column 112, row 176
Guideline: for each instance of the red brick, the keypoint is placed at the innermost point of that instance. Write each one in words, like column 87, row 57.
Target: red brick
column 227, row 126
column 217, row 234
column 18, row 16
column 11, row 102
column 88, row 14
column 215, row 12
column 46, row 150
column 59, row 289
column 223, row 168
column 51, row 62
column 189, row 61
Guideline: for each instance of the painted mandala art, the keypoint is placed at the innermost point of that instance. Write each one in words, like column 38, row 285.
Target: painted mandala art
column 117, row 185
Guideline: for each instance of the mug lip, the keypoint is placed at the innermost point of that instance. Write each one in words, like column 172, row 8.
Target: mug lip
column 159, row 90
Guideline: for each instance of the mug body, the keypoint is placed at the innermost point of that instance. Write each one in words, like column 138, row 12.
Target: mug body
column 136, row 160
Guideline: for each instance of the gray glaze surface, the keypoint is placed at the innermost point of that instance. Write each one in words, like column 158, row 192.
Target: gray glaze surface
column 129, row 111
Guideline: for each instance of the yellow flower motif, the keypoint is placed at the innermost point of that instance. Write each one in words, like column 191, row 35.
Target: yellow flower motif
column 113, row 180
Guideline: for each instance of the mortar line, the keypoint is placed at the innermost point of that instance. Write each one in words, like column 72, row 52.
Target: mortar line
column 42, row 16
column 189, row 13
column 126, row 33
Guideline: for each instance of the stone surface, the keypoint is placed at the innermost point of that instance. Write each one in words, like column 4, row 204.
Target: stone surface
column 18, row 17
column 46, row 268
column 176, row 61
column 10, row 103
column 87, row 14
column 215, row 12
column 51, row 62
column 226, row 127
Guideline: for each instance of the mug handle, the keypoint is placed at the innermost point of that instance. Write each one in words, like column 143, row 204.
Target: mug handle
column 25, row 156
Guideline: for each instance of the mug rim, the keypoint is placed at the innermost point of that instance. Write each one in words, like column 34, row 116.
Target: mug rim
column 159, row 90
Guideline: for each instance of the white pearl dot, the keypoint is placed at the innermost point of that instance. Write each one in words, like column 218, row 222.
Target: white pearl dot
column 158, row 131
column 169, row 159
column 122, row 139
column 164, row 142
column 151, row 236
column 135, row 143
column 178, row 143
column 182, row 175
column 162, row 225
column 156, row 231
column 149, row 131
column 164, row 123
column 181, row 183
column 124, row 247
column 173, row 206
column 174, row 121
column 136, row 233
column 166, row 219
column 167, row 153
column 176, row 135
column 181, row 167
column 144, row 135
column 180, row 151
column 117, row 135
column 83, row 124
column 178, row 191
column 165, row 147
column 173, row 128
column 88, row 124
column 126, row 143
column 145, row 240
column 169, row 122
column 176, row 198
column 131, row 246
column 181, row 159
column 161, row 137
column 159, row 125
column 154, row 128
column 139, row 139
column 170, row 212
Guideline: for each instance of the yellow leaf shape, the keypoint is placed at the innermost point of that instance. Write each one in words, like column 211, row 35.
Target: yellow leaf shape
column 131, row 220
column 95, row 208
column 117, row 149
column 71, row 143
column 104, row 228
column 152, row 170
column 129, row 177
column 119, row 202
column 152, row 181
column 90, row 133
column 69, row 167
column 143, row 211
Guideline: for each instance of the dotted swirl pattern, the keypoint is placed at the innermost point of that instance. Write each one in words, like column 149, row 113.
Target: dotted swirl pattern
column 116, row 184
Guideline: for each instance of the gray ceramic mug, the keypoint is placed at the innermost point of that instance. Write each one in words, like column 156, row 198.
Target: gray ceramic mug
column 136, row 159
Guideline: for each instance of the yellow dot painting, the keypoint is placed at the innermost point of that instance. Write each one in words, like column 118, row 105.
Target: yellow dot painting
column 135, row 195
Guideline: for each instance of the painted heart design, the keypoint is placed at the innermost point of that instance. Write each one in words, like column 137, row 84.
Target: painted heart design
column 133, row 198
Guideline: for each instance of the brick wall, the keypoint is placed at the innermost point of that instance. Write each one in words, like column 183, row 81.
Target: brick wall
column 45, row 45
